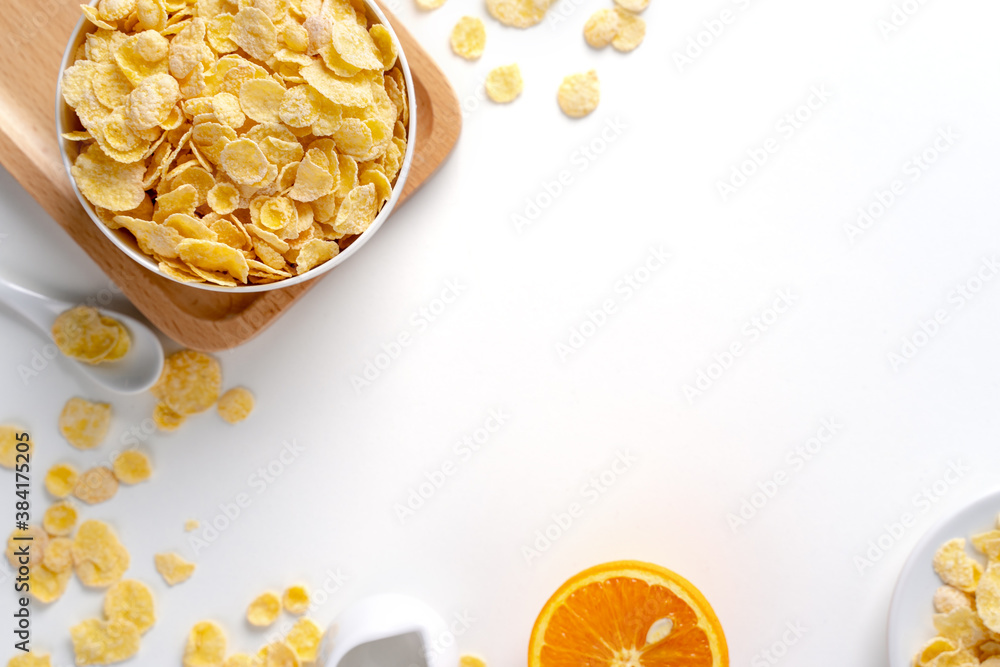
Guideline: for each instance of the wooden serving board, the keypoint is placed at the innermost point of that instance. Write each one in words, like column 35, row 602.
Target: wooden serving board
column 32, row 42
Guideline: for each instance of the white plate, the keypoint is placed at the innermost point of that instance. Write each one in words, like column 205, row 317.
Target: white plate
column 910, row 625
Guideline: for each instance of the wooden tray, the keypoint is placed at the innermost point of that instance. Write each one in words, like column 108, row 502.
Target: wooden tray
column 32, row 42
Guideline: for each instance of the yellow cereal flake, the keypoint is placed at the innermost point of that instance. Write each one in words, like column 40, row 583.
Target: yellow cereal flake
column 504, row 83
column 131, row 600
column 191, row 525
column 278, row 654
column 84, row 424
column 631, row 31
column 948, row 598
column 173, row 567
column 518, row 13
column 132, row 467
column 255, row 33
column 579, row 94
column 58, row 555
column 386, row 45
column 96, row 485
column 428, row 5
column 47, row 586
column 190, row 383
column 988, row 544
column 634, row 6
column 471, row 661
column 264, row 609
column 955, row 567
column 304, row 639
column 261, row 100
column 9, row 441
column 295, row 599
column 59, row 519
column 236, row 405
column 224, row 198
column 97, row 642
column 962, row 626
column 30, row 659
column 468, row 37
column 206, row 646
column 81, row 333
column 27, row 547
column 166, row 419
column 601, row 28
column 988, row 597
column 99, row 558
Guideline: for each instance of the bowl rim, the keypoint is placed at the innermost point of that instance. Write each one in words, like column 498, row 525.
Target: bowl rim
column 63, row 111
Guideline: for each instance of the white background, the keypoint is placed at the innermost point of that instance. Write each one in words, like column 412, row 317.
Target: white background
column 696, row 461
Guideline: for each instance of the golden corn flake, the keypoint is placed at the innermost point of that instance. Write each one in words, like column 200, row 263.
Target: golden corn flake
column 955, row 567
column 385, row 44
column 107, row 183
column 471, row 661
column 278, row 654
column 96, row 485
column 255, row 33
column 30, row 659
column 988, row 598
column 304, row 639
column 191, row 524
column 504, row 83
column 132, row 467
column 357, row 212
column 355, row 46
column 150, row 104
column 634, row 6
column 295, row 599
column 264, row 609
column 243, row 660
column 59, row 519
column 97, row 642
column 173, row 567
column 468, row 37
column 206, row 646
column 47, row 586
column 947, row 599
column 428, row 5
column 224, row 198
column 962, row 626
column 84, row 424
column 236, row 405
column 29, row 544
column 99, row 558
column 631, row 31
column 579, row 94
column 988, row 544
column 9, row 443
column 58, row 555
column 166, row 419
column 190, row 382
column 261, row 99
column 349, row 92
column 518, row 13
column 601, row 28
column 81, row 333
column 131, row 600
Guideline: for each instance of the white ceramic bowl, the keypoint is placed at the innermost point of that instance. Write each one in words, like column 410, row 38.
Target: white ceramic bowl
column 910, row 623
column 66, row 121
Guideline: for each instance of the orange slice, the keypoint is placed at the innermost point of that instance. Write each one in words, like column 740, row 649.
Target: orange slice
column 627, row 614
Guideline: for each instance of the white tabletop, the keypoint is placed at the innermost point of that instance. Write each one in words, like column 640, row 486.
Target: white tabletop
column 814, row 309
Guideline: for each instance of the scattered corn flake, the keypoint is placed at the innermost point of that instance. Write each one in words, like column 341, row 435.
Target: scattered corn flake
column 8, row 445
column 504, row 83
column 264, row 609
column 955, row 567
column 82, row 333
column 173, row 567
column 190, row 382
column 30, row 659
column 47, row 586
column 236, row 405
column 84, row 424
column 601, row 28
column 100, row 559
column 191, row 525
column 634, row 6
column 471, row 661
column 206, row 645
column 28, row 544
column 96, row 485
column 579, row 94
column 278, row 654
column 60, row 519
column 132, row 467
column 428, row 5
column 948, row 599
column 58, row 554
column 97, row 642
column 295, row 599
column 518, row 13
column 304, row 639
column 631, row 31
column 468, row 37
column 131, row 600
column 166, row 419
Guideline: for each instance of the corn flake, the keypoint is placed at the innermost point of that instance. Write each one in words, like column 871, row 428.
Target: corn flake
column 132, row 467
column 107, row 183
column 264, row 609
column 96, row 485
column 304, row 639
column 295, row 599
column 601, row 28
column 988, row 598
column 47, row 586
column 255, row 33
column 34, row 538
column 579, row 94
column 190, row 382
column 518, row 13
column 97, row 642
column 59, row 519
column 58, row 556
column 504, row 83
column 206, row 646
column 631, row 31
column 84, row 424
column 99, row 558
column 9, row 443
column 131, row 600
column 468, row 37
column 278, row 654
column 948, row 598
column 955, row 567
column 173, row 567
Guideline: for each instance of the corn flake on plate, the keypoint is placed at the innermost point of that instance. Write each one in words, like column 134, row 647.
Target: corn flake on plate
column 236, row 142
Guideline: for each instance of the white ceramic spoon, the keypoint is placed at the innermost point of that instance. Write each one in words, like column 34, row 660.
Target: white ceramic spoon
column 136, row 372
column 386, row 630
